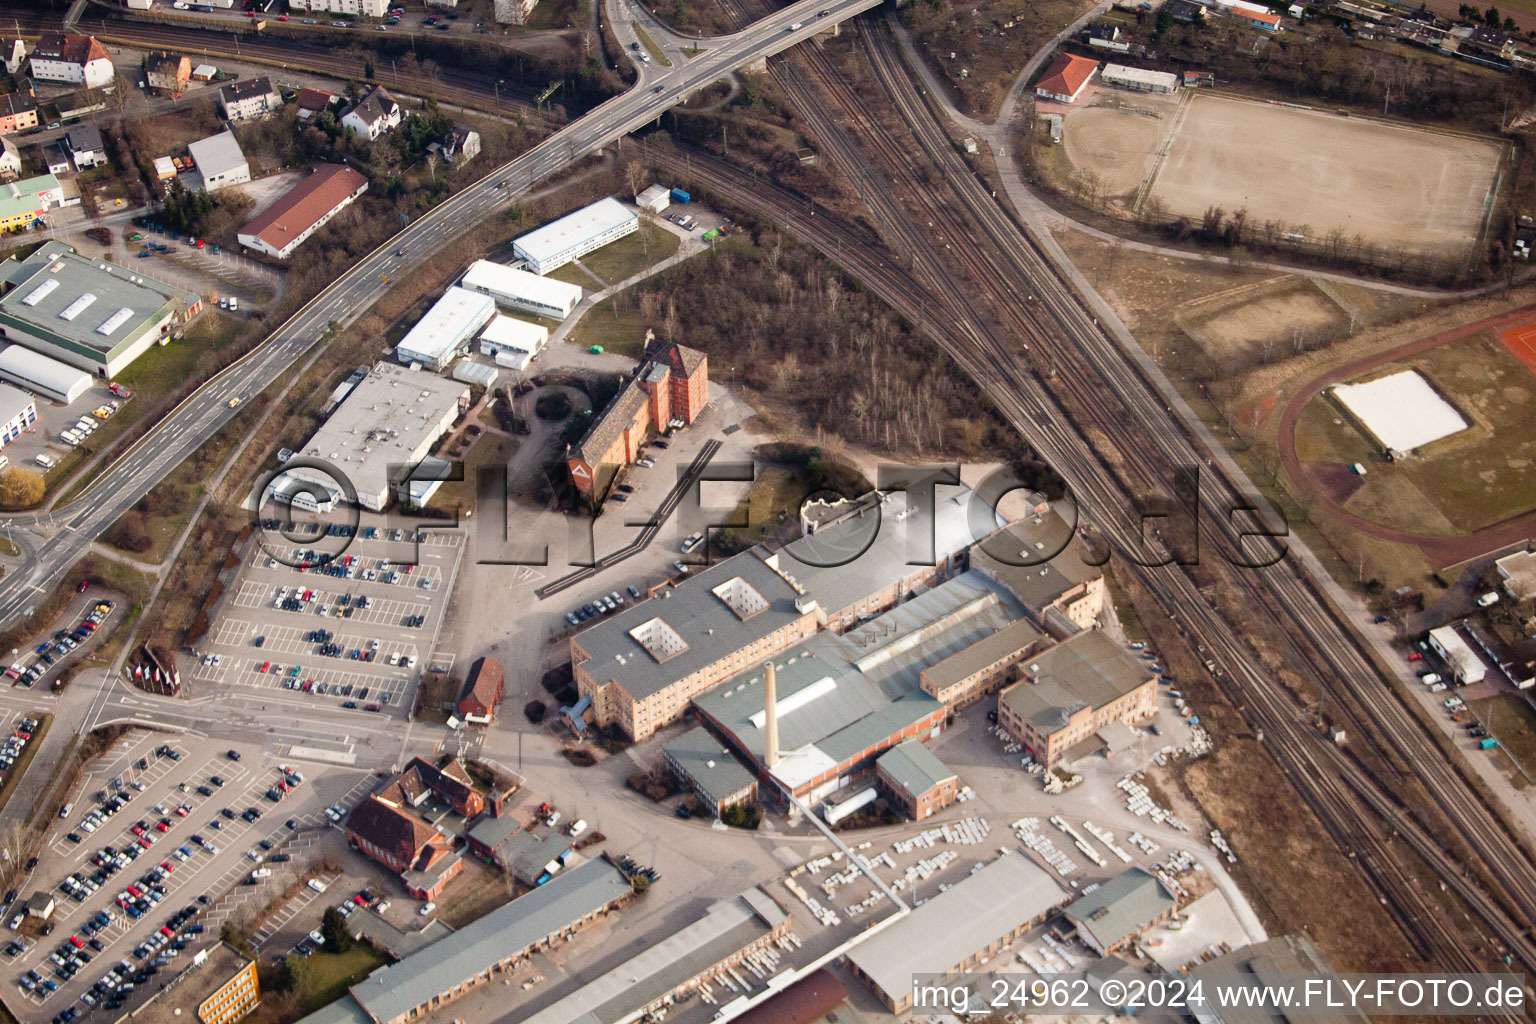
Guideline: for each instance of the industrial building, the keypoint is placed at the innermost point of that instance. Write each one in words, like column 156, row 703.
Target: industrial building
column 1111, row 917
column 956, row 930
column 1066, row 78
column 219, row 986
column 512, row 343
column 391, row 419
column 458, row 963
column 717, row 779
column 304, row 209
column 86, row 311
column 670, row 388
column 841, row 700
column 1138, row 79
column 914, row 781
column 1041, row 561
column 53, row 380
column 18, row 411
column 671, row 970
column 576, row 234
column 522, row 291
column 220, row 163
column 479, row 375
column 441, row 335
column 1068, row 693
column 1289, row 956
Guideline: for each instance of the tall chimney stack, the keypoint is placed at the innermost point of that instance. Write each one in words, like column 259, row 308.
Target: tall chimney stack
column 770, row 718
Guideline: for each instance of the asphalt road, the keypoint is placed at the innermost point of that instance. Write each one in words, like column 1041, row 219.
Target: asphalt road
column 59, row 538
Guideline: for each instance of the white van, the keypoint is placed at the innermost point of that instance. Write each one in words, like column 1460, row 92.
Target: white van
column 1431, row 679
column 70, row 438
column 317, row 885
column 578, row 827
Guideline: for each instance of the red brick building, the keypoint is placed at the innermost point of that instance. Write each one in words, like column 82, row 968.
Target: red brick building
column 669, row 389
column 482, row 692
column 387, row 828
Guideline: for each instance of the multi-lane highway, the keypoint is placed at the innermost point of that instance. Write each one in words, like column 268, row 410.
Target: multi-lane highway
column 61, row 536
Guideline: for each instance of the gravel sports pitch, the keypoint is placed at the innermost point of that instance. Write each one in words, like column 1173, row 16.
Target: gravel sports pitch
column 1394, row 185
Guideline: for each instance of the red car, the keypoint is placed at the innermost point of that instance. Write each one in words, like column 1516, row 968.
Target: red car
column 164, row 825
column 168, row 867
column 74, row 940
column 146, row 842
column 81, row 588
column 1415, row 656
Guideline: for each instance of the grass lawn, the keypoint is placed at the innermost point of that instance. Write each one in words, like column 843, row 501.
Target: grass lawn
column 477, row 891
column 622, row 333
column 488, row 450
column 632, row 253
column 551, row 14
column 322, row 978
column 1510, row 718
column 573, row 274
column 650, row 45
column 17, row 773
column 1324, row 435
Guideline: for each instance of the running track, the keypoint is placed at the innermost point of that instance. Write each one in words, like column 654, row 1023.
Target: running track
column 1441, row 551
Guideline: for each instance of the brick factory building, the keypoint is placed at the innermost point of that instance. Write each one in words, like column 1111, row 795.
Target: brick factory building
column 910, row 777
column 669, row 389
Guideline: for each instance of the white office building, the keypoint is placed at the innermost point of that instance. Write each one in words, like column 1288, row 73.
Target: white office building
column 442, row 334
column 18, row 411
column 513, row 343
column 522, row 291
column 576, row 234
column 387, row 425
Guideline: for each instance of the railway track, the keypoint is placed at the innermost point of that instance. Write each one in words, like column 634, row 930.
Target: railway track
column 1357, row 811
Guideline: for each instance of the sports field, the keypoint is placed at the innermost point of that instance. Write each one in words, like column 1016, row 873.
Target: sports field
column 1521, row 342
column 1393, row 185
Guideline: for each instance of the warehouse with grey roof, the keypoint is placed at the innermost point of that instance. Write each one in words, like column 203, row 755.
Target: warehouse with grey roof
column 1113, row 915
column 88, row 312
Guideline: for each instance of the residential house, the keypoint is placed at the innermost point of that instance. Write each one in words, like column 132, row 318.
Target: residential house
column 366, row 8
column 1105, row 35
column 459, row 146
column 18, row 113
column 14, row 54
column 257, row 97
column 72, row 58
column 167, row 73
column 10, row 159
column 1066, row 78
column 85, row 147
column 311, row 102
column 375, row 113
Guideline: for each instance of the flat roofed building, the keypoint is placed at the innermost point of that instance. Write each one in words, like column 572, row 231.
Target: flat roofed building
column 534, row 858
column 1040, row 560
column 845, row 699
column 704, row 765
column 1461, row 661
column 367, row 8
column 915, row 780
column 56, row 381
column 391, row 418
column 1276, row 961
column 440, row 336
column 1517, row 573
column 655, row 198
column 576, row 234
column 18, row 411
column 642, row 666
column 219, row 986
column 1139, row 79
column 511, row 342
column 673, row 968
column 1111, row 917
column 457, row 964
column 220, row 163
column 23, row 203
column 953, row 931
column 304, row 209
column 522, row 291
column 807, row 1001
column 1069, row 692
column 88, row 312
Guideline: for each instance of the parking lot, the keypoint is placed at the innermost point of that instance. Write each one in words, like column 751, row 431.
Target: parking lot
column 85, row 619
column 346, row 622
column 163, row 828
column 45, row 437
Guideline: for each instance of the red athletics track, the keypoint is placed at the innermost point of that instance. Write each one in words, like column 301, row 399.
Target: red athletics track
column 1441, row 551
column 1522, row 342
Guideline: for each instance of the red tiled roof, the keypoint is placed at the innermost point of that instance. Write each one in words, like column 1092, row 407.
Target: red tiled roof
column 1067, row 75
column 392, row 829
column 1266, row 18
column 484, row 689
column 314, row 100
column 305, row 204
column 74, row 49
